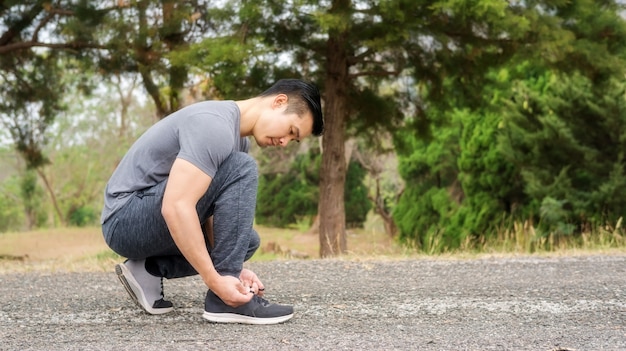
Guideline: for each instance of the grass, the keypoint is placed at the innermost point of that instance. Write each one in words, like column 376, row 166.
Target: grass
column 84, row 249
column 54, row 249
column 525, row 239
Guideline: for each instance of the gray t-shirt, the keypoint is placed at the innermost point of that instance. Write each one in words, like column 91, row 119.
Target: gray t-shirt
column 205, row 134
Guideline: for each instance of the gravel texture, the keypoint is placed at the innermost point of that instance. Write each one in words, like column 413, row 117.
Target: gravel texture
column 565, row 303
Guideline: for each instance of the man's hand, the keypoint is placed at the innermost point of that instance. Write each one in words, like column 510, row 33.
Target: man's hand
column 250, row 280
column 231, row 290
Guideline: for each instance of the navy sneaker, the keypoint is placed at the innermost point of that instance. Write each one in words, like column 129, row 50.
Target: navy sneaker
column 145, row 289
column 257, row 311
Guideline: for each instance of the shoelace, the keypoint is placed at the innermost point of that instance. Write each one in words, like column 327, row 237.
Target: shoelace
column 261, row 300
column 162, row 295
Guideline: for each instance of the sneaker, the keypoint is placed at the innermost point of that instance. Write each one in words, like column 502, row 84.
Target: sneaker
column 257, row 311
column 145, row 289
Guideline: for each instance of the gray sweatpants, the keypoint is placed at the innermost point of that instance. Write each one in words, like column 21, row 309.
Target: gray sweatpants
column 138, row 230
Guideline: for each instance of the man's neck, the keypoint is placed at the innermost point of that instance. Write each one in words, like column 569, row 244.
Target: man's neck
column 249, row 114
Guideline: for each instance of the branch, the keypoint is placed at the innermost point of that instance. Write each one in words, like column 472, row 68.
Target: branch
column 375, row 74
column 20, row 25
column 58, row 11
column 30, row 44
column 43, row 22
column 359, row 58
column 471, row 35
column 28, row 18
column 153, row 91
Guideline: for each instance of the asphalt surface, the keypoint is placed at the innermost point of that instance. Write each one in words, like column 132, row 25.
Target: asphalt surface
column 566, row 303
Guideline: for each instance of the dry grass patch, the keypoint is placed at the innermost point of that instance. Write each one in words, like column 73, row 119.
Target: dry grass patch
column 84, row 249
column 59, row 249
column 42, row 245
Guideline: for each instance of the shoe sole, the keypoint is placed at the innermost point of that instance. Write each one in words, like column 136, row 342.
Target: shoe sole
column 132, row 287
column 238, row 318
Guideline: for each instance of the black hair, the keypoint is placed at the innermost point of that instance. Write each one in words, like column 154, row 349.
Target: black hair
column 302, row 96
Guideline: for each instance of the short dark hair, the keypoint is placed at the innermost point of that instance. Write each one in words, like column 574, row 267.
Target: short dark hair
column 302, row 96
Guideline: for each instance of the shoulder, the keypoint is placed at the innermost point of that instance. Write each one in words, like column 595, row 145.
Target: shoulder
column 226, row 109
column 207, row 114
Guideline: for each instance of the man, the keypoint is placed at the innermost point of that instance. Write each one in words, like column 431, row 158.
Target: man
column 181, row 202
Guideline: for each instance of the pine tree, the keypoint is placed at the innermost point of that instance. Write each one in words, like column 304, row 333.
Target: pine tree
column 534, row 135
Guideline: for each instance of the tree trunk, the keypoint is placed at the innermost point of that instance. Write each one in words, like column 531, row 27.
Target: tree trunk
column 53, row 197
column 331, row 210
column 379, row 207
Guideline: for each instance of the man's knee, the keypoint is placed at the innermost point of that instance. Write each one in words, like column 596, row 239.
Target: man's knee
column 253, row 244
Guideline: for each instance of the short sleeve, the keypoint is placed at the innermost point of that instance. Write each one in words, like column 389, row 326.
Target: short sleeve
column 206, row 141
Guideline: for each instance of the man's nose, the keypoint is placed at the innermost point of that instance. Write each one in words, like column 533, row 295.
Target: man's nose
column 284, row 141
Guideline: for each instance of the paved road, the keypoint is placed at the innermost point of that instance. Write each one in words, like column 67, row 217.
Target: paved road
column 489, row 304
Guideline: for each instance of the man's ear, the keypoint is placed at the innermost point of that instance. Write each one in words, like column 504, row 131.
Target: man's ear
column 280, row 100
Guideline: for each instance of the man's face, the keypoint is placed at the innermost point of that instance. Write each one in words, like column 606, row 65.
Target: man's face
column 275, row 127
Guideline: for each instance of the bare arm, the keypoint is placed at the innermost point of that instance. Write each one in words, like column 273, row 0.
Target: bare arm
column 247, row 277
column 185, row 186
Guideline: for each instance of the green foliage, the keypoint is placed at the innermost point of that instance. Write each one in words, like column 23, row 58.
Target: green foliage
column 226, row 63
column 554, row 218
column 430, row 172
column 514, row 110
column 567, row 136
column 11, row 215
column 285, row 198
column 553, row 155
column 356, row 200
column 490, row 183
column 86, row 147
column 30, row 99
column 83, row 216
column 373, row 101
column 32, row 199
column 291, row 198
column 141, row 36
column 540, row 136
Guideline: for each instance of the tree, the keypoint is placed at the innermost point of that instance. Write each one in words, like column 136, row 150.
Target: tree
column 382, row 179
column 140, row 38
column 566, row 136
column 32, row 47
column 518, row 130
column 91, row 136
column 11, row 215
column 31, row 195
column 45, row 46
column 340, row 46
column 287, row 197
column 432, row 192
column 31, row 98
column 291, row 197
column 33, row 61
column 356, row 45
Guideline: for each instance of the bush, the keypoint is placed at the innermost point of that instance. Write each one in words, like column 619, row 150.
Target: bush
column 548, row 151
column 11, row 208
column 355, row 195
column 82, row 216
column 292, row 198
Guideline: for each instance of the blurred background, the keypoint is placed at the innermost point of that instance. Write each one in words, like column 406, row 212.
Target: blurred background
column 451, row 126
